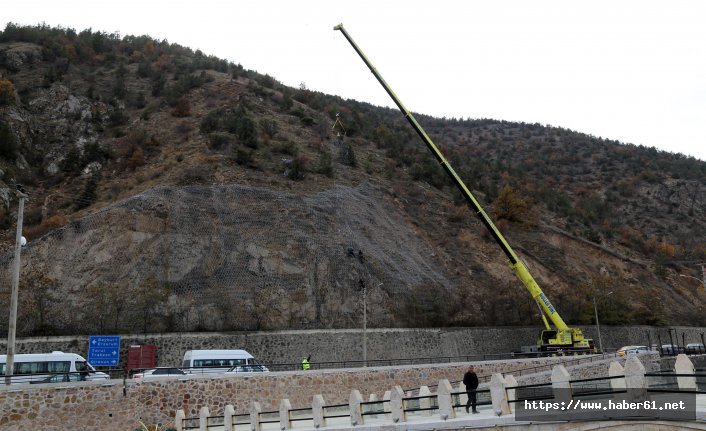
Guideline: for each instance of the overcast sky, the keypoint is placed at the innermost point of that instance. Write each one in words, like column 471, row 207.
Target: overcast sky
column 634, row 71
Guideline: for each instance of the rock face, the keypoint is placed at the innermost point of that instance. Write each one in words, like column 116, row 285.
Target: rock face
column 14, row 56
column 284, row 229
column 238, row 257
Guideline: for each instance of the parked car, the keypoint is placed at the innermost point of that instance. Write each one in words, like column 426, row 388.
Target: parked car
column 61, row 378
column 632, row 350
column 238, row 369
column 159, row 373
column 670, row 349
column 695, row 349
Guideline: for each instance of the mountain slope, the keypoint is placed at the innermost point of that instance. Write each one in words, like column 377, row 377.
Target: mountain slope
column 171, row 190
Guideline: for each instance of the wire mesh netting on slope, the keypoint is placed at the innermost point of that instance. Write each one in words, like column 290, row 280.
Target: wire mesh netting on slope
column 226, row 258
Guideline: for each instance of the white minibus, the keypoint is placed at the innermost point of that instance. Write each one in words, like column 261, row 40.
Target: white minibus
column 34, row 367
column 215, row 361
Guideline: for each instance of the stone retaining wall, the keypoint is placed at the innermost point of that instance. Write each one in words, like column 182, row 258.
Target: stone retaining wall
column 347, row 345
column 118, row 405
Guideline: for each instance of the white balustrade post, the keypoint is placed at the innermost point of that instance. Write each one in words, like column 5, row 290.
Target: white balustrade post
column 616, row 370
column 317, row 411
column 510, row 394
column 463, row 398
column 285, row 419
column 354, row 403
column 443, row 397
column 228, row 414
column 179, row 419
column 561, row 384
column 373, row 398
column 683, row 365
column 635, row 381
column 397, row 405
column 498, row 395
column 203, row 418
column 255, row 411
column 425, row 403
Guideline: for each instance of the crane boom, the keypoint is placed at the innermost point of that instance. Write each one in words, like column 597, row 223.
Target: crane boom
column 563, row 336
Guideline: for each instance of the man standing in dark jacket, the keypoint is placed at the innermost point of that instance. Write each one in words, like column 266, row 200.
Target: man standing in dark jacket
column 470, row 379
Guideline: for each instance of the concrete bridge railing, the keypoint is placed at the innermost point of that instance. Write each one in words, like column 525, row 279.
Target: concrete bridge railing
column 396, row 407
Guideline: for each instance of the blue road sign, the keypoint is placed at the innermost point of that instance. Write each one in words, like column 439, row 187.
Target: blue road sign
column 104, row 350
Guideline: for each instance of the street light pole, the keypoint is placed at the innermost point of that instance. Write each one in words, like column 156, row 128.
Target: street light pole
column 12, row 326
column 365, row 326
column 365, row 322
column 598, row 326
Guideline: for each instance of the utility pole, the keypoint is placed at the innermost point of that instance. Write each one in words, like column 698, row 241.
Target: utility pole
column 12, row 326
column 365, row 324
column 598, row 325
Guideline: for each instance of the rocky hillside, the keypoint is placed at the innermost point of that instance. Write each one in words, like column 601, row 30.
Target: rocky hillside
column 171, row 190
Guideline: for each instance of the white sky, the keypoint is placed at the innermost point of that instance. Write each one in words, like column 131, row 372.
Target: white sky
column 633, row 71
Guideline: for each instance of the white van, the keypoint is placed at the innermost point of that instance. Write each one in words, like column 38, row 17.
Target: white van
column 36, row 367
column 216, row 361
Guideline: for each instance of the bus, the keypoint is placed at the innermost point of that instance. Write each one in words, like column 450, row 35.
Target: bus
column 216, row 361
column 36, row 367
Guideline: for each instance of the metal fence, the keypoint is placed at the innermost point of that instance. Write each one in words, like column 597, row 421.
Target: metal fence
column 572, row 358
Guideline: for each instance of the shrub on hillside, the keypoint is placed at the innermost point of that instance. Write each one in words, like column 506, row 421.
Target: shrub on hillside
column 211, row 122
column 51, row 223
column 237, row 122
column 219, row 140
column 135, row 158
column 266, row 81
column 346, row 155
column 297, row 169
column 509, row 206
column 268, row 126
column 247, row 133
column 245, row 158
column 94, row 152
column 159, row 81
column 7, row 92
column 182, row 108
column 8, row 142
column 289, row 148
column 195, row 175
column 90, row 191
column 118, row 117
column 325, row 167
column 144, row 69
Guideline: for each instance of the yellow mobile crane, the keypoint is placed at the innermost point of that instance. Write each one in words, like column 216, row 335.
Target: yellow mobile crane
column 561, row 338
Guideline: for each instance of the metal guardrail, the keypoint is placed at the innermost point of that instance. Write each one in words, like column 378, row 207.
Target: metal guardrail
column 482, row 398
column 420, row 361
column 121, row 373
column 374, row 408
column 50, row 377
column 592, row 386
column 540, row 368
column 337, row 415
column 669, row 380
column 191, row 423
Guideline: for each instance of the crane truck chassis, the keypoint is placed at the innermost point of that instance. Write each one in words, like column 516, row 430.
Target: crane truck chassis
column 562, row 337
